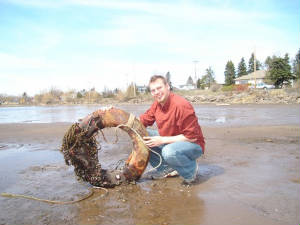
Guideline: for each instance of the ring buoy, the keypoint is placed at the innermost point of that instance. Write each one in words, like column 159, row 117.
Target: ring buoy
column 80, row 147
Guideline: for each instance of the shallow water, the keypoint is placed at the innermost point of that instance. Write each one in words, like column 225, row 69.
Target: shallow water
column 232, row 188
column 208, row 115
column 246, row 177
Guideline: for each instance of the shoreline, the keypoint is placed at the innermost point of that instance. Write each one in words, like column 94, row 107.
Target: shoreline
column 250, row 96
column 142, row 103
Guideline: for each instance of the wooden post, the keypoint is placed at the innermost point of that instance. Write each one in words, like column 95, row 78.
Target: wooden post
column 254, row 68
column 196, row 78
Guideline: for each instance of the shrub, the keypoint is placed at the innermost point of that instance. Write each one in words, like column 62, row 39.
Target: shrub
column 215, row 87
column 240, row 87
column 227, row 88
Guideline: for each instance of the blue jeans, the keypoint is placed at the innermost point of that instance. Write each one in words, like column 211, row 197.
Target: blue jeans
column 180, row 156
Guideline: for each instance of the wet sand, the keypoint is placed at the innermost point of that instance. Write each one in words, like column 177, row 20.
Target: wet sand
column 249, row 175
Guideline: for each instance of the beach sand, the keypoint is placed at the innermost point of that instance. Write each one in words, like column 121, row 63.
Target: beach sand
column 248, row 175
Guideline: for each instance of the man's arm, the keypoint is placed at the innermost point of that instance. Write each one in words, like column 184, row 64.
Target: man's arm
column 148, row 118
column 160, row 140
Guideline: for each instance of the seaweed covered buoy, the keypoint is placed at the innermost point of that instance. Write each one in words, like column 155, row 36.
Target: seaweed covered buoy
column 80, row 148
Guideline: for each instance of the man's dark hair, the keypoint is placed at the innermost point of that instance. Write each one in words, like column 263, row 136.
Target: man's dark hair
column 155, row 77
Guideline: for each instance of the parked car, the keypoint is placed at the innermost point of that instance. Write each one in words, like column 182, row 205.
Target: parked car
column 263, row 86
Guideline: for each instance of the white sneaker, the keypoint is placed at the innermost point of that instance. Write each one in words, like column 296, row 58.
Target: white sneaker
column 196, row 171
column 174, row 173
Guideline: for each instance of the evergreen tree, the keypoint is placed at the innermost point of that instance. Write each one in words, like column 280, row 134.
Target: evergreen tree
column 229, row 73
column 208, row 78
column 296, row 66
column 190, row 81
column 199, row 84
column 168, row 78
column 268, row 62
column 287, row 59
column 24, row 99
column 24, row 95
column 251, row 64
column 280, row 71
column 242, row 68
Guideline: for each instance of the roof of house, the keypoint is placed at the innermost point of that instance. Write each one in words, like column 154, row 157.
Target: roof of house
column 259, row 74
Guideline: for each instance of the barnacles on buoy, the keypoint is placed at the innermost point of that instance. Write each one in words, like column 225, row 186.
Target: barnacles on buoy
column 80, row 148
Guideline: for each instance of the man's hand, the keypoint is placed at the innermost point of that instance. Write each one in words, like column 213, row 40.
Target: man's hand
column 153, row 141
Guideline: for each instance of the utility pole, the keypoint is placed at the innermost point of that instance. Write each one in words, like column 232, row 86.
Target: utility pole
column 196, row 78
column 133, row 70
column 254, row 64
column 89, row 93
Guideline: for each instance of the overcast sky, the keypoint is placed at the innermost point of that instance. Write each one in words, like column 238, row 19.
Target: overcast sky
column 80, row 44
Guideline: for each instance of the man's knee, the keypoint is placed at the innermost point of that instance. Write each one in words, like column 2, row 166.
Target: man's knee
column 168, row 153
column 175, row 151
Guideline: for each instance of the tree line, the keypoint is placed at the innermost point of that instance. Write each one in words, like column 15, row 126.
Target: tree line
column 56, row 96
column 279, row 70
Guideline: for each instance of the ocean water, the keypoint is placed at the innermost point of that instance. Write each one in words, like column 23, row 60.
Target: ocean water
column 208, row 115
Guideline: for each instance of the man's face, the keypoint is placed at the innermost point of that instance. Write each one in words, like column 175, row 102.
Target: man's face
column 159, row 91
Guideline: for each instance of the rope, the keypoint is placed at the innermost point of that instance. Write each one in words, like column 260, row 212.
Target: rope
column 130, row 121
column 129, row 124
column 149, row 149
column 70, row 141
column 91, row 192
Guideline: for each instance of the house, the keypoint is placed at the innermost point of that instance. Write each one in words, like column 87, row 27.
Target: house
column 190, row 85
column 259, row 76
column 141, row 89
column 186, row 87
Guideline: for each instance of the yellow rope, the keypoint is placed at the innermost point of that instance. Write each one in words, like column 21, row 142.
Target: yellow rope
column 149, row 149
column 130, row 126
column 91, row 192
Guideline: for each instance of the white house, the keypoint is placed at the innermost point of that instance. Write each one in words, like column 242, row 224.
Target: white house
column 141, row 89
column 186, row 87
column 259, row 76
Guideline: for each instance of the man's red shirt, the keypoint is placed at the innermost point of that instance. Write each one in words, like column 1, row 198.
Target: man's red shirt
column 175, row 117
